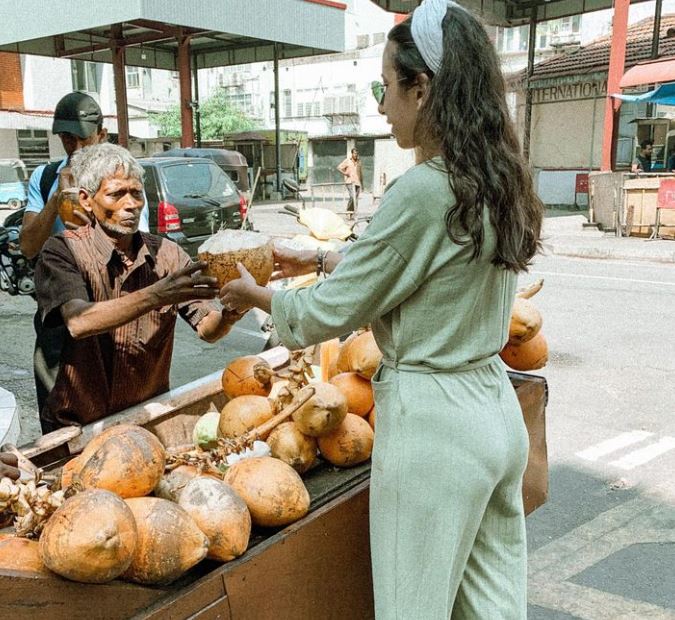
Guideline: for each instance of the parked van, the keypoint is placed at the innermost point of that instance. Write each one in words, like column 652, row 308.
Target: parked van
column 13, row 183
column 232, row 163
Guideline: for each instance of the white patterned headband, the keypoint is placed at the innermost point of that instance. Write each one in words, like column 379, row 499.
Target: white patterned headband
column 427, row 30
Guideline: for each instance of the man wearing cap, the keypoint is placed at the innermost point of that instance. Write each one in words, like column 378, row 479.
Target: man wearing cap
column 78, row 121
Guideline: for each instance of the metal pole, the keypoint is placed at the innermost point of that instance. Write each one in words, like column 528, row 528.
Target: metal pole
column 531, row 44
column 187, row 129
column 277, row 128
column 657, row 29
column 198, row 115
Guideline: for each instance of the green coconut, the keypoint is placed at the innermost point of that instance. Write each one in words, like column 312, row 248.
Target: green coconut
column 205, row 433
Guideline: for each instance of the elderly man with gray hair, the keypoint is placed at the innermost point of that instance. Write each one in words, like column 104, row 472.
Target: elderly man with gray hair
column 117, row 291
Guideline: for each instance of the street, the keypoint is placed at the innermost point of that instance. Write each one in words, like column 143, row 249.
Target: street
column 603, row 547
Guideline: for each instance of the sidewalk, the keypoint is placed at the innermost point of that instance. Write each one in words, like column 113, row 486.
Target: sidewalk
column 565, row 236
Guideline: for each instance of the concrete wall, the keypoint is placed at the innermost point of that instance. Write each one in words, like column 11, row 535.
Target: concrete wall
column 563, row 134
column 391, row 161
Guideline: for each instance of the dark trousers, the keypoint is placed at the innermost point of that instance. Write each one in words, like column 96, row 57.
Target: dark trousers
column 46, row 358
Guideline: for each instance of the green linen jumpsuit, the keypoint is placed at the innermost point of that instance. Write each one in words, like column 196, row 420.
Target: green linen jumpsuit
column 447, row 525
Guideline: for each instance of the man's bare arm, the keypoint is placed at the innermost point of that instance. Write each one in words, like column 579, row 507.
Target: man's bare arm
column 37, row 227
column 86, row 318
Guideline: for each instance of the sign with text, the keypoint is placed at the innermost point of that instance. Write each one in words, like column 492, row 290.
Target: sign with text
column 570, row 92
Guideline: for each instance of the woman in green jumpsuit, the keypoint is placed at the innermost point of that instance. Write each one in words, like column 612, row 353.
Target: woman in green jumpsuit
column 435, row 274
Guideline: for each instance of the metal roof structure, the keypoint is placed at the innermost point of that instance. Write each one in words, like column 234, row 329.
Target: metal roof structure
column 221, row 32
column 513, row 12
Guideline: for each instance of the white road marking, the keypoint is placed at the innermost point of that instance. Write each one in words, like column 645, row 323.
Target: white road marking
column 611, row 445
column 590, row 277
column 646, row 454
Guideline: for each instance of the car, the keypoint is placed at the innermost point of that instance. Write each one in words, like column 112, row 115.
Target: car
column 232, row 163
column 13, row 183
column 190, row 199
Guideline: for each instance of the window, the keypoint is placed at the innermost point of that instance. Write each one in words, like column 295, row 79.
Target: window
column 287, row 104
column 33, row 147
column 362, row 41
column 133, row 77
column 85, row 76
column 378, row 37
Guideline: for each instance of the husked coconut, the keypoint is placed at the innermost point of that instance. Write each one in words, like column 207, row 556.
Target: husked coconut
column 322, row 412
column 169, row 541
column 526, row 321
column 247, row 375
column 228, row 247
column 173, row 482
column 530, row 355
column 243, row 414
column 128, row 461
column 273, row 491
column 328, row 357
column 357, row 390
column 21, row 554
column 360, row 354
column 221, row 514
column 288, row 444
column 91, row 538
column 349, row 444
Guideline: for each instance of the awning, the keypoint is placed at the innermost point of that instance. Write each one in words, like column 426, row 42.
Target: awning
column 663, row 95
column 655, row 72
column 222, row 32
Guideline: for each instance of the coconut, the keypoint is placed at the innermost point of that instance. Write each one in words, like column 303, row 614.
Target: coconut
column 371, row 417
column 91, row 538
column 205, row 432
column 357, row 390
column 349, row 444
column 525, row 321
column 360, row 354
column 69, row 471
column 228, row 247
column 247, row 375
column 221, row 514
column 322, row 412
column 169, row 541
column 273, row 491
column 530, row 355
column 21, row 554
column 129, row 461
column 173, row 482
column 243, row 414
column 288, row 444
column 68, row 205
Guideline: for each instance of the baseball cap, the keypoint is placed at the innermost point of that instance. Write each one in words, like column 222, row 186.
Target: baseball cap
column 77, row 113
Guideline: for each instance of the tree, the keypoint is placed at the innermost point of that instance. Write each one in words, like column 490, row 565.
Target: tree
column 218, row 117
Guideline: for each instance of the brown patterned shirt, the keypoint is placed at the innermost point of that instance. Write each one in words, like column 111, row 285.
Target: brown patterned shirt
column 100, row 375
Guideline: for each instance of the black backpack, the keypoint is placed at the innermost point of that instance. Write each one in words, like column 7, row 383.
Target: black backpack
column 49, row 175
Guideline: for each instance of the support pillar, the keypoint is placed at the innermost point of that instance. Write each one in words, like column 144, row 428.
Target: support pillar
column 120, row 81
column 198, row 116
column 277, row 122
column 531, row 45
column 617, row 57
column 186, row 120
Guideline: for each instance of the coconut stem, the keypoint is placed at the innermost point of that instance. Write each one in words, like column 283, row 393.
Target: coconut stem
column 266, row 427
column 29, row 503
column 531, row 290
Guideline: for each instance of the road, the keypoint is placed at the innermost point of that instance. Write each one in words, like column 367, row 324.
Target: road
column 603, row 547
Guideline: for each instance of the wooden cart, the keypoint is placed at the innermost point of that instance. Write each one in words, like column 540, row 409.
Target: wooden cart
column 315, row 569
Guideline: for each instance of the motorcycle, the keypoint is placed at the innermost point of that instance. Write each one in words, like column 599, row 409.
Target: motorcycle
column 16, row 271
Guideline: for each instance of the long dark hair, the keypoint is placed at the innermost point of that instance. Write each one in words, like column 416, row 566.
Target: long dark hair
column 465, row 113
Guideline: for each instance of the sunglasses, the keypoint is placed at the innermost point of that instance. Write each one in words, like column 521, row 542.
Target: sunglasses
column 379, row 90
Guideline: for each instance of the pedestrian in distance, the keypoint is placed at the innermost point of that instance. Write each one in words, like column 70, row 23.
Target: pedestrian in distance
column 435, row 274
column 353, row 176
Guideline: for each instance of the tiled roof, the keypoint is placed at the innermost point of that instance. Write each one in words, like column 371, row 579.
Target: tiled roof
column 594, row 57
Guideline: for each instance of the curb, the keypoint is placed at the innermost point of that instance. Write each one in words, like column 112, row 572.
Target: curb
column 610, row 253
